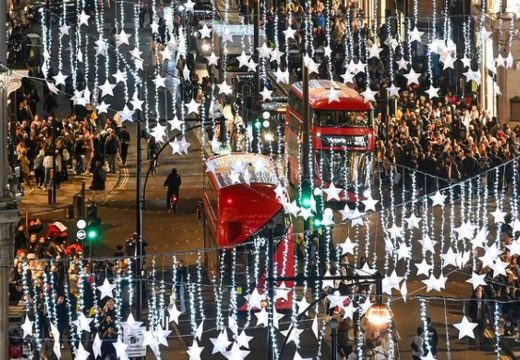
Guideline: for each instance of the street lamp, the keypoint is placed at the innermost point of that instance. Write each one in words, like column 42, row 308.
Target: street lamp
column 379, row 315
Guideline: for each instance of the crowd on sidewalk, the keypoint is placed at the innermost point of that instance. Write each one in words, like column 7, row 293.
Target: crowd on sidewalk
column 53, row 280
column 45, row 145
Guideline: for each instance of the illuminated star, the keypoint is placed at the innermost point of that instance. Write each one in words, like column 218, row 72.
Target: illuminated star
column 412, row 77
column 448, row 61
column 64, row 30
column 183, row 145
column 243, row 340
column 193, row 107
column 136, row 103
column 433, row 92
column 174, row 313
column 333, row 95
column 312, row 66
column 282, row 77
column 212, row 59
column 465, row 328
column 126, row 114
column 499, row 267
column 264, row 51
column 465, row 230
column 427, row 244
column 484, row 34
column 369, row 95
column 282, row 292
column 415, row 35
column 220, row 343
column 176, row 149
column 119, row 76
column 194, row 351
column 477, row 280
column 83, row 18
column 123, row 38
column 395, row 231
column 498, row 215
column 243, row 59
column 289, row 33
column 251, row 65
column 327, row 51
column 266, row 94
column 449, row 258
column 402, row 63
column 303, row 306
column 60, row 78
column 224, row 88
column 262, row 318
column 293, row 336
column 175, row 124
column 347, row 77
column 205, row 32
column 374, row 51
column 347, row 247
column 332, row 192
column 403, row 252
column 473, row 76
column 158, row 132
column 102, row 108
column 413, row 221
column 423, row 268
column 438, row 199
column 27, row 327
column 106, row 290
column 107, row 89
column 159, row 81
column 236, row 353
column 393, row 91
column 509, row 60
column 155, row 27
column 480, row 240
column 96, row 346
column 81, row 353
column 370, row 204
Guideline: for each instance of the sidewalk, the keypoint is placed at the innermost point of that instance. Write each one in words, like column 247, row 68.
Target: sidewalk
column 37, row 201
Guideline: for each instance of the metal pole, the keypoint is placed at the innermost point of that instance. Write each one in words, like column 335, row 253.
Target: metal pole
column 53, row 196
column 270, row 289
column 334, row 339
column 138, row 223
column 256, row 43
column 306, row 168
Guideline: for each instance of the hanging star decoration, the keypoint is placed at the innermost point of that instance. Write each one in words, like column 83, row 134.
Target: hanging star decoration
column 465, row 328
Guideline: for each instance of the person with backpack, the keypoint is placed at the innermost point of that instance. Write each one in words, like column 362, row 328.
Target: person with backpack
column 173, row 184
column 417, row 344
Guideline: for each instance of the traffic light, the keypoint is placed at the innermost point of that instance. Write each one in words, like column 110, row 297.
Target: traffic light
column 305, row 200
column 257, row 124
column 92, row 232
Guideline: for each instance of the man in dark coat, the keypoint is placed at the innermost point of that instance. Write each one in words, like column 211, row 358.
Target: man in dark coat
column 173, row 183
column 124, row 137
column 478, row 314
column 99, row 177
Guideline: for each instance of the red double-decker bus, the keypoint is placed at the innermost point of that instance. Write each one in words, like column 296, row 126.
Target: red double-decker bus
column 342, row 135
column 238, row 201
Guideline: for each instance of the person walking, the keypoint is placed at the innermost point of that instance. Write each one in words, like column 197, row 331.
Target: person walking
column 181, row 276
column 173, row 184
column 112, row 147
column 478, row 314
column 417, row 344
column 25, row 172
column 97, row 186
column 124, row 138
column 433, row 337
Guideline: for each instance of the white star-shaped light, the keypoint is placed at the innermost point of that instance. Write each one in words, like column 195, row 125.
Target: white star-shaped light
column 415, row 35
column 333, row 95
column 176, row 148
column 82, row 323
column 159, row 81
column 119, row 76
column 427, row 244
column 266, row 94
column 509, row 60
column 205, row 32
column 243, row 339
column 52, row 88
column 137, row 104
column 282, row 77
column 498, row 216
column 412, row 77
column 423, row 268
column 251, row 65
column 473, row 76
column 120, row 347
column 126, row 114
column 235, row 353
column 395, row 231
column 500, row 61
column 499, row 267
column 514, row 247
column 184, row 145
column 155, row 27
column 347, row 77
column 193, row 107
column 484, row 34
column 370, row 203
column 347, row 247
column 106, row 290
column 312, row 66
column 59, row 79
column 255, row 299
column 96, row 346
column 107, row 88
column 432, row 283
column 194, row 351
column 404, row 251
column 480, row 240
column 213, row 59
column 158, row 132
column 438, row 199
column 225, row 88
column 189, row 5
column 64, row 30
column 449, row 258
column 433, row 92
column 374, row 51
column 123, row 38
column 303, row 305
column 289, row 33
column 402, row 64
column 293, row 336
column 27, row 327
column 136, row 53
column 369, row 95
column 393, row 91
column 477, row 280
column 413, row 221
column 332, row 192
column 83, row 18
column 81, row 353
column 220, row 343
column 175, row 124
column 449, row 61
column 466, row 61
column 243, row 59
column 262, row 318
column 465, row 328
column 264, row 51
column 327, row 51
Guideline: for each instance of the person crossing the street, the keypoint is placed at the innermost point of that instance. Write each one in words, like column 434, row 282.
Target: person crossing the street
column 173, row 184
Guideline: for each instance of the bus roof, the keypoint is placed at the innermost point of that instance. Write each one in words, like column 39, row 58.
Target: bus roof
column 349, row 99
column 238, row 168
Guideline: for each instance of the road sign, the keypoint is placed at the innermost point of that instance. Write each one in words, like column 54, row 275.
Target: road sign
column 133, row 338
column 81, row 234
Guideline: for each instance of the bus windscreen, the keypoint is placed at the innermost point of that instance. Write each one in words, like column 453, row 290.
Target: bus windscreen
column 341, row 119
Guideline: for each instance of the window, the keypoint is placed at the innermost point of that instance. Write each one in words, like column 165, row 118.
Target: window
column 329, row 118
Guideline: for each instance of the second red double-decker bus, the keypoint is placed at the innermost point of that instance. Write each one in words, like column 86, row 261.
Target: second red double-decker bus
column 239, row 201
column 341, row 130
